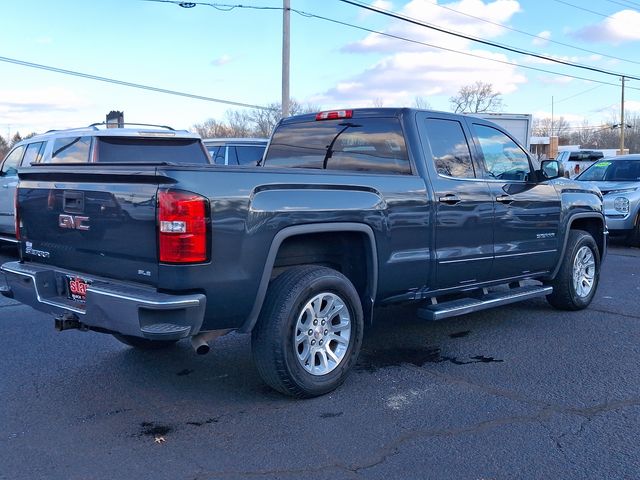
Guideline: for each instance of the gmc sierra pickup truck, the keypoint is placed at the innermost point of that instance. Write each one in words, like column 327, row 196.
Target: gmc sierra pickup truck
column 347, row 210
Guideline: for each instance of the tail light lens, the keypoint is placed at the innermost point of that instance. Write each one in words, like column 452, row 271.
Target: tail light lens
column 183, row 219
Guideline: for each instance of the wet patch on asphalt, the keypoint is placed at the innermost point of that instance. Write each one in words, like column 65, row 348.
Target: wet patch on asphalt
column 373, row 360
column 151, row 429
column 208, row 421
column 331, row 414
column 461, row 334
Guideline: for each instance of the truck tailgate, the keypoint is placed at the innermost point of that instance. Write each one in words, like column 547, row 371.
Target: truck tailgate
column 94, row 221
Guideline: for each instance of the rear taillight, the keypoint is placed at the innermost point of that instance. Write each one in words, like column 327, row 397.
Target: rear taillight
column 182, row 227
column 16, row 214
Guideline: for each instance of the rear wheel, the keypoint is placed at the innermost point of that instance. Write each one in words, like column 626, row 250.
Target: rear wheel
column 309, row 333
column 577, row 280
column 143, row 343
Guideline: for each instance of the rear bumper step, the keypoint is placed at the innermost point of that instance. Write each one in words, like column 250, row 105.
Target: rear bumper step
column 129, row 309
column 462, row 306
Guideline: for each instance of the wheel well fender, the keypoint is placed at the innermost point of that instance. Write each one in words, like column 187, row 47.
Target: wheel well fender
column 593, row 224
column 367, row 288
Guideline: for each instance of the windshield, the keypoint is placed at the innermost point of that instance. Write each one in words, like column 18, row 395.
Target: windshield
column 613, row 171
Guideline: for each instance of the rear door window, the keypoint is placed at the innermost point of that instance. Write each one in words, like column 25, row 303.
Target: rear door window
column 71, row 150
column 449, row 147
column 360, row 144
column 150, row 150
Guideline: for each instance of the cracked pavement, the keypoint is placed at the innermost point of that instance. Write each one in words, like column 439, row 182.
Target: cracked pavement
column 519, row 392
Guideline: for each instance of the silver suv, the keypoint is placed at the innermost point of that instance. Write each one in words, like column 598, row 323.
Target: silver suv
column 94, row 143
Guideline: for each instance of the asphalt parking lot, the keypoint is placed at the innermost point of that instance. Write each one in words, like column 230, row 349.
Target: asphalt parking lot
column 521, row 392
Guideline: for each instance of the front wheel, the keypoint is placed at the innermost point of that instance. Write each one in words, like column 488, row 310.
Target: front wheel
column 309, row 332
column 577, row 280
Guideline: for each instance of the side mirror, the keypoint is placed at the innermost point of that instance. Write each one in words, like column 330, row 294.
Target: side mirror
column 550, row 169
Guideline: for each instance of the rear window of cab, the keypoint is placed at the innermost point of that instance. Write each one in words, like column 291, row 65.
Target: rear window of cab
column 356, row 144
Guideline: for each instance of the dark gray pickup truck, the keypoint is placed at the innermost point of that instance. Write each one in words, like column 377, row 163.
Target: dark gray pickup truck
column 348, row 210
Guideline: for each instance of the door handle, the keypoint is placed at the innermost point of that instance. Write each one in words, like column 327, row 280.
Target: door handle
column 5, row 186
column 504, row 199
column 449, row 199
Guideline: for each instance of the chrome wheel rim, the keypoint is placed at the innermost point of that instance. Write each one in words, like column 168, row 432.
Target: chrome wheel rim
column 322, row 333
column 584, row 272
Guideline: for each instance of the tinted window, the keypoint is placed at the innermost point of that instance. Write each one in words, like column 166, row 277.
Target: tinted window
column 449, row 147
column 71, row 150
column 249, row 154
column 613, row 171
column 150, row 150
column 10, row 165
column 585, row 156
column 364, row 144
column 503, row 159
column 217, row 154
column 33, row 153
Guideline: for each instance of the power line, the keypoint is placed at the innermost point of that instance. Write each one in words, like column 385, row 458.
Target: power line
column 468, row 54
column 483, row 41
column 584, row 9
column 129, row 84
column 397, row 37
column 577, row 94
column 529, row 34
column 624, row 4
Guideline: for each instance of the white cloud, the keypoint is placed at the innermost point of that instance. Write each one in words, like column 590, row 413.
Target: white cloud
column 623, row 26
column 222, row 60
column 408, row 70
column 398, row 79
column 42, row 109
column 543, row 38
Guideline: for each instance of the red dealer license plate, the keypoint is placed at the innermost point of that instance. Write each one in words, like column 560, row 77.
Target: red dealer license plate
column 77, row 288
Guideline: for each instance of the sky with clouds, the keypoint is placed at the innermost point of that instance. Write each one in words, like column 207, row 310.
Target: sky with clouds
column 235, row 54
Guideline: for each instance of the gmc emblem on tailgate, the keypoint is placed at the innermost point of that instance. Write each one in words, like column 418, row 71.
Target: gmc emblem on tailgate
column 74, row 222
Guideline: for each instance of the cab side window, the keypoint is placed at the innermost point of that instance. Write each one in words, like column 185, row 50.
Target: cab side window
column 449, row 147
column 33, row 154
column 503, row 159
column 11, row 163
column 71, row 150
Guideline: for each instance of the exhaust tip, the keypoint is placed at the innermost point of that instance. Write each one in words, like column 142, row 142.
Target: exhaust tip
column 203, row 349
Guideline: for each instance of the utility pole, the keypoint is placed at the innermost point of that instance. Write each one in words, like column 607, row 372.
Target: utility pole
column 622, row 125
column 286, row 44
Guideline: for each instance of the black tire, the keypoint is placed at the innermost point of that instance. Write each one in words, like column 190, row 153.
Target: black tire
column 565, row 296
column 143, row 343
column 633, row 238
column 273, row 340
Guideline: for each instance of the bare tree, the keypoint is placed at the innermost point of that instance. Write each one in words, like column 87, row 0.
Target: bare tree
column 251, row 123
column 4, row 147
column 15, row 139
column 421, row 103
column 378, row 102
column 476, row 98
column 542, row 127
column 265, row 120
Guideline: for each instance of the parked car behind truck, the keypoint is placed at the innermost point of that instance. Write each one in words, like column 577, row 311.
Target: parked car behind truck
column 350, row 209
column 94, row 143
column 618, row 178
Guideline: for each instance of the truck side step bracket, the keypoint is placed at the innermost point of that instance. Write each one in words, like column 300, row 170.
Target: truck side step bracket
column 462, row 306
